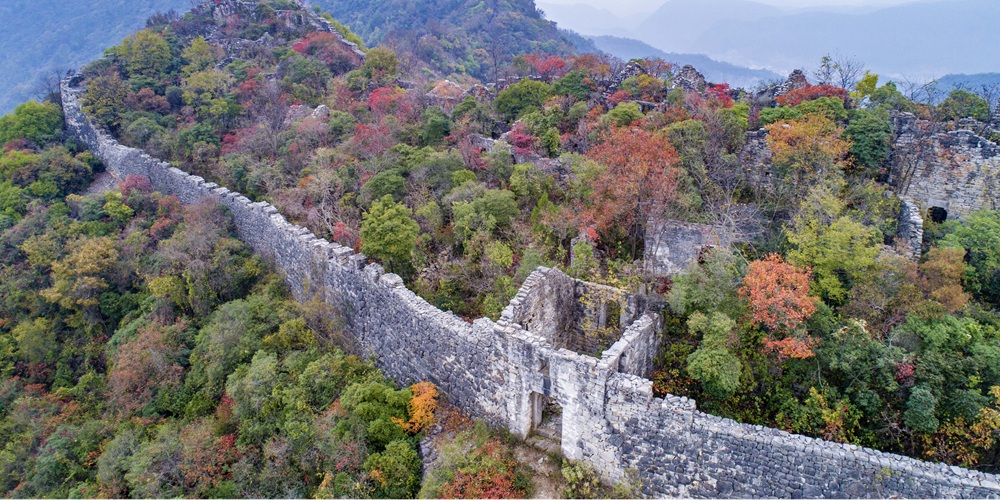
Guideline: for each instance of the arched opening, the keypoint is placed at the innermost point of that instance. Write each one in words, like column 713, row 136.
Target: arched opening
column 937, row 214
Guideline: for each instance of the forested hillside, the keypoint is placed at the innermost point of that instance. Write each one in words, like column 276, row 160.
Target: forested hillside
column 457, row 38
column 145, row 352
column 42, row 39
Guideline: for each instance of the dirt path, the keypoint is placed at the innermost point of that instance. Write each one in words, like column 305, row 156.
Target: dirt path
column 103, row 182
column 547, row 480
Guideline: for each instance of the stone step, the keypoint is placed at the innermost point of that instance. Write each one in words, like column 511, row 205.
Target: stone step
column 545, row 444
column 550, row 433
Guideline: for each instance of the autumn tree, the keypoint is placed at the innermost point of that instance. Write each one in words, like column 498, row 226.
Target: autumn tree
column 778, row 295
column 146, row 368
column 638, row 183
column 105, row 100
column 806, row 150
column 79, row 279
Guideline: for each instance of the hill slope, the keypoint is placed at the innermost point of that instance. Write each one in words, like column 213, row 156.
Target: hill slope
column 40, row 37
column 455, row 36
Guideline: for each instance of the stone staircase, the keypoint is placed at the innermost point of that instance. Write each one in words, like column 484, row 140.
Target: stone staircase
column 548, row 436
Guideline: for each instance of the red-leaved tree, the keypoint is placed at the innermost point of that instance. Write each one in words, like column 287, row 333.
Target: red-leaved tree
column 778, row 295
column 638, row 183
column 811, row 92
column 547, row 66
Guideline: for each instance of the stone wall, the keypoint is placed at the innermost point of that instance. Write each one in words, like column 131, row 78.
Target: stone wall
column 910, row 233
column 671, row 246
column 956, row 170
column 503, row 372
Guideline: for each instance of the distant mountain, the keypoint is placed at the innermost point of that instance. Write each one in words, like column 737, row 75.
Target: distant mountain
column 714, row 71
column 918, row 40
column 41, row 37
column 589, row 20
column 978, row 83
column 969, row 82
column 678, row 25
column 921, row 40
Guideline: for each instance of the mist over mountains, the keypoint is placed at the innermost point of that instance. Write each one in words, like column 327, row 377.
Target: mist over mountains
column 42, row 37
column 919, row 41
column 714, row 71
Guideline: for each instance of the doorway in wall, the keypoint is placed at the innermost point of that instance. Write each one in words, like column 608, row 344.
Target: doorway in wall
column 546, row 423
column 937, row 214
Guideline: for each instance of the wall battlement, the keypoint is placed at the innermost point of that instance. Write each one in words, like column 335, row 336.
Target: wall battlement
column 506, row 372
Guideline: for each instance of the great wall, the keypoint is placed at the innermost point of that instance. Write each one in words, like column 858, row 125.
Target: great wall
column 507, row 372
column 541, row 354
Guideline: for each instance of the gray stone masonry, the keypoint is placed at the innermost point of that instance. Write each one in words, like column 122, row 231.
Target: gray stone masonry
column 671, row 245
column 910, row 235
column 955, row 170
column 506, row 371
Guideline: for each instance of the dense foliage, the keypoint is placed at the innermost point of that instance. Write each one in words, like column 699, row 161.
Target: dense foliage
column 145, row 352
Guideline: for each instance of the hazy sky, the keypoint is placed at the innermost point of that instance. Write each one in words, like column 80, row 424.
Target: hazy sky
column 623, row 7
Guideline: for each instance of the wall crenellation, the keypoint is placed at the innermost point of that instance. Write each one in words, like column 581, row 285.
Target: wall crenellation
column 506, row 372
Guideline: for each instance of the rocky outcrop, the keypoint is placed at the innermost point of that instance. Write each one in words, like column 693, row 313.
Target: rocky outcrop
column 690, row 79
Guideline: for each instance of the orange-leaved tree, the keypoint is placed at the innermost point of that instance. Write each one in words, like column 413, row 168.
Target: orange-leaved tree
column 421, row 408
column 778, row 295
column 638, row 182
column 806, row 150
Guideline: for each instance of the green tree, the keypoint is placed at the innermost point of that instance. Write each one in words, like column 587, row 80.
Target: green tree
column 964, row 104
column 492, row 211
column 710, row 285
column 523, row 96
column 381, row 65
column 979, row 235
column 920, row 410
column 144, row 54
column 624, row 114
column 573, row 84
column 200, row 55
column 257, row 398
column 870, row 133
column 714, row 364
column 836, row 247
column 396, row 471
column 36, row 122
column 389, row 233
column 437, row 126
